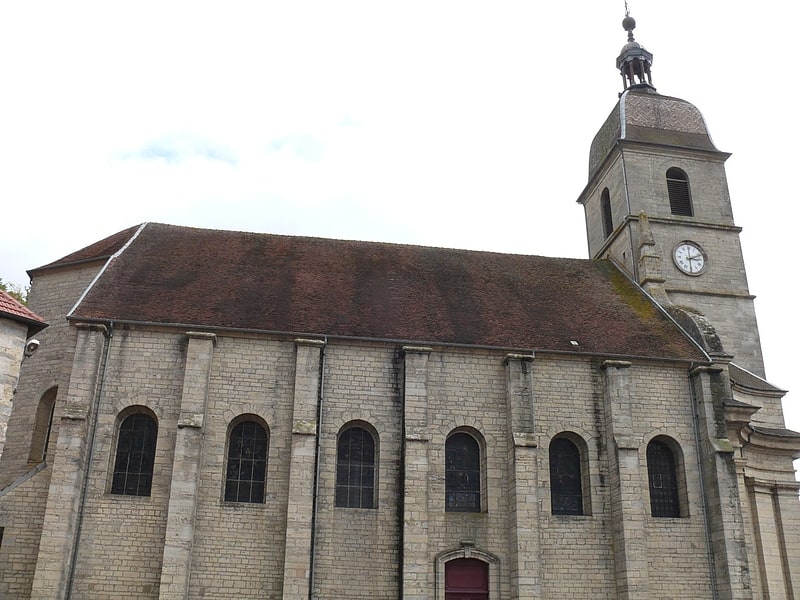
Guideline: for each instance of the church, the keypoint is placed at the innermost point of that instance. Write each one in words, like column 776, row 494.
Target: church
column 218, row 414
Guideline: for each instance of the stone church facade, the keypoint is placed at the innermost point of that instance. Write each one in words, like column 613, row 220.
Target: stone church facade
column 217, row 414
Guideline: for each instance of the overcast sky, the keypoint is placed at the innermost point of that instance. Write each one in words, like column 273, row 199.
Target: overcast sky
column 443, row 123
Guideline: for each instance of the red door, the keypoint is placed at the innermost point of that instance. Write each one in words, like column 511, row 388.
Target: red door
column 466, row 579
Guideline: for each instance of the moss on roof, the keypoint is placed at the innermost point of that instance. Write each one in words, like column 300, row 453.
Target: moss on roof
column 224, row 279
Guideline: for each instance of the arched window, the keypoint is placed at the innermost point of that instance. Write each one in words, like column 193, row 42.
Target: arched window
column 466, row 579
column 605, row 208
column 136, row 453
column 246, row 472
column 680, row 199
column 355, row 468
column 662, row 473
column 42, row 426
column 566, row 489
column 462, row 473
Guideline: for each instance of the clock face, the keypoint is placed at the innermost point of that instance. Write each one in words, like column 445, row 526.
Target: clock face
column 689, row 258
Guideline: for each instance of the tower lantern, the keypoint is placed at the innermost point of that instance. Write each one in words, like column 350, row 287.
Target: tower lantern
column 634, row 61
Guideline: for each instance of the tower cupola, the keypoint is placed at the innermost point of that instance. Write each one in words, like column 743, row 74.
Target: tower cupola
column 634, row 61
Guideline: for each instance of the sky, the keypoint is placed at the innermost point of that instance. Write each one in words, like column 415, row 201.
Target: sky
column 458, row 124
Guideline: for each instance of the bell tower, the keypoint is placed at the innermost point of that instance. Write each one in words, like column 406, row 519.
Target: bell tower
column 657, row 203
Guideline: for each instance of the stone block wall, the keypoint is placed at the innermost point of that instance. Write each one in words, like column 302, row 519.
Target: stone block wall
column 12, row 345
column 122, row 537
column 21, row 513
column 24, row 483
column 514, row 405
column 238, row 547
column 360, row 546
column 51, row 297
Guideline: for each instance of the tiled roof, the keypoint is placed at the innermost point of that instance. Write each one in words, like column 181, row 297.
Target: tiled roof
column 11, row 309
column 650, row 118
column 223, row 279
column 101, row 250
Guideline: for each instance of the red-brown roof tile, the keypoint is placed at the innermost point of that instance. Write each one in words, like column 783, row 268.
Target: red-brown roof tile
column 101, row 250
column 300, row 285
column 11, row 309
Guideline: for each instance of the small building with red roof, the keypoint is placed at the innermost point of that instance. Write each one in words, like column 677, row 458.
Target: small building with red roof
column 17, row 325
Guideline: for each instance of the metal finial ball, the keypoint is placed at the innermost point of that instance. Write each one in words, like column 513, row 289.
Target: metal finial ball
column 629, row 23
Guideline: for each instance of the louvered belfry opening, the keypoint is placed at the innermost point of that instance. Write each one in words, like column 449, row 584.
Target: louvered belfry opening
column 680, row 199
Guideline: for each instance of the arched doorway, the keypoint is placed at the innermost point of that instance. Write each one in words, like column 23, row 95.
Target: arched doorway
column 466, row 579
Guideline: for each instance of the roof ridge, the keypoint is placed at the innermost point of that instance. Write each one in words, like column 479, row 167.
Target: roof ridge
column 105, row 266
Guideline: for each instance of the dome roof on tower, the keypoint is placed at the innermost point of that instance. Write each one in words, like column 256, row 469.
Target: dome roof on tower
column 644, row 116
column 630, row 47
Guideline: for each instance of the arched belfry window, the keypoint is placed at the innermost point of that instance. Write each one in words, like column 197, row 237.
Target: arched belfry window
column 605, row 208
column 462, row 473
column 566, row 477
column 246, row 468
column 662, row 473
column 355, row 468
column 136, row 453
column 680, row 198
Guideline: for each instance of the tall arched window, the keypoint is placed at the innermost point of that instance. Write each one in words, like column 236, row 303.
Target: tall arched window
column 136, row 453
column 462, row 473
column 680, row 199
column 42, row 426
column 355, row 468
column 662, row 473
column 246, row 472
column 605, row 208
column 566, row 489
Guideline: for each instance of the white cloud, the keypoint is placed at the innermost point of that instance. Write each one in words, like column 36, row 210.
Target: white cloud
column 175, row 148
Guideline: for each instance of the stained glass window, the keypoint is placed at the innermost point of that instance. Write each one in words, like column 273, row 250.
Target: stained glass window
column 355, row 469
column 566, row 493
column 247, row 463
column 661, row 471
column 136, row 453
column 462, row 473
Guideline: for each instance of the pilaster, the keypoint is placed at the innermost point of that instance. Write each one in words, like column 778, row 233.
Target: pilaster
column 523, row 522
column 626, row 498
column 416, row 564
column 302, row 462
column 787, row 508
column 177, row 561
column 748, row 515
column 62, row 517
column 718, row 470
column 769, row 540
